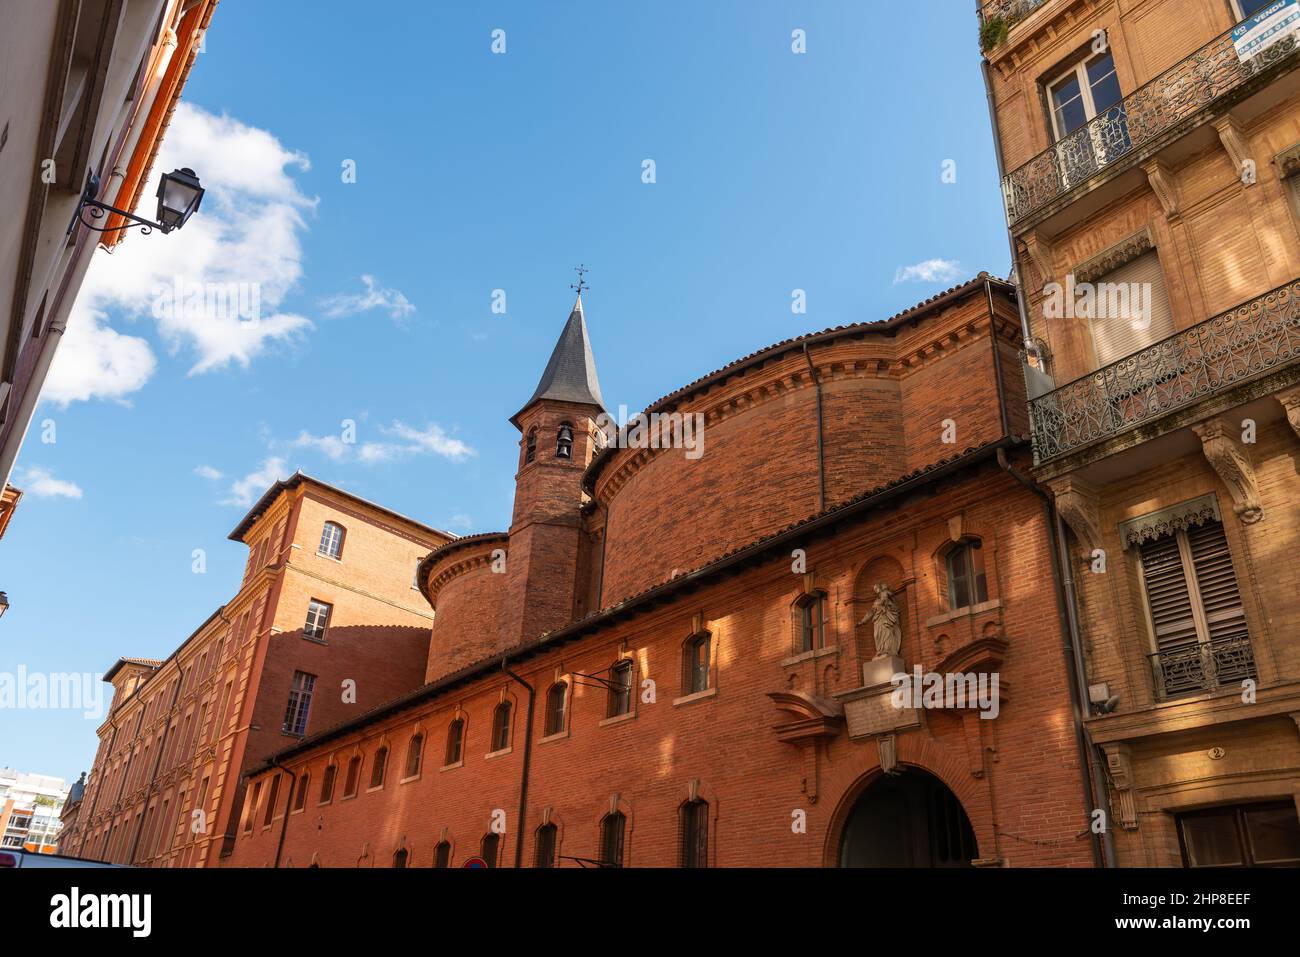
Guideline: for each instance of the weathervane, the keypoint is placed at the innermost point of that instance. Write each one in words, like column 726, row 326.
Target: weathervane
column 581, row 284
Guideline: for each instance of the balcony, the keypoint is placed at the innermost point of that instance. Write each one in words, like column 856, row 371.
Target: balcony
column 1201, row 667
column 1142, row 123
column 1246, row 343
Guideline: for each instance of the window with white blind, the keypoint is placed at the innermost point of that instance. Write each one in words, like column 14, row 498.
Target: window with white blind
column 1197, row 620
column 1130, row 309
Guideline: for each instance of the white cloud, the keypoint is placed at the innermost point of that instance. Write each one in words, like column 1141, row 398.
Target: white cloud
column 244, row 242
column 375, row 297
column 403, row 441
column 460, row 520
column 40, row 483
column 932, row 270
column 245, row 491
column 332, row 446
column 207, row 472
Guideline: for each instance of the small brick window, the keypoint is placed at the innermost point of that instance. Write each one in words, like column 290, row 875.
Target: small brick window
column 612, row 828
column 546, row 840
column 379, row 767
column 556, row 702
column 331, row 540
column 695, row 834
column 327, row 783
column 530, row 445
column 967, row 583
column 354, row 777
column 490, row 849
column 809, row 622
column 300, row 797
column 695, row 664
column 501, row 727
column 619, row 701
column 455, row 742
column 414, row 754
column 318, row 619
column 442, row 854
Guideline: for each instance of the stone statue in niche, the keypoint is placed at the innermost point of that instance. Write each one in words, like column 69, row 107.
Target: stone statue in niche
column 884, row 616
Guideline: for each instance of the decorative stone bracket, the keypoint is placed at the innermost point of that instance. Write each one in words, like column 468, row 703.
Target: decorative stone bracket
column 1233, row 144
column 1119, row 765
column 1076, row 500
column 1232, row 466
column 1290, row 402
column 812, row 720
column 1162, row 184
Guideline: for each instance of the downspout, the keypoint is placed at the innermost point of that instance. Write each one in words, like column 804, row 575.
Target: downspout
column 288, row 803
column 997, row 360
column 1103, row 850
column 821, row 454
column 528, row 754
column 1011, row 242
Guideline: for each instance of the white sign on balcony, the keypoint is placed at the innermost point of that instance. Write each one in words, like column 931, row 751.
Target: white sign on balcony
column 1257, row 33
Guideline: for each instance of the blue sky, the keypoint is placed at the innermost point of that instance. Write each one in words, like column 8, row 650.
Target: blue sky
column 475, row 172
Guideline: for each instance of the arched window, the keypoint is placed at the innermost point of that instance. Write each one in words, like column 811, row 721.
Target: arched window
column 530, row 445
column 695, row 834
column 556, row 700
column 353, row 779
column 331, row 540
column 612, row 827
column 327, row 783
column 564, row 441
column 809, row 622
column 455, row 741
column 490, row 848
column 442, row 854
column 620, row 689
column 300, row 797
column 546, row 839
column 401, row 857
column 967, row 584
column 695, row 664
column 379, row 767
column 501, row 727
column 414, row 754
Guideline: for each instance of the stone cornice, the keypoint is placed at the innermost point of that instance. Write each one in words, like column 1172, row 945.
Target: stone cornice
column 1112, row 257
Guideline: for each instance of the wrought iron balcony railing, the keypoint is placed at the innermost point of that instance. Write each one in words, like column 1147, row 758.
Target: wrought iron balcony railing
column 1204, row 666
column 1139, row 119
column 1255, row 338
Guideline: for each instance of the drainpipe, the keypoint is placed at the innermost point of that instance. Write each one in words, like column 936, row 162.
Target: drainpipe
column 997, row 360
column 288, row 803
column 1011, row 242
column 528, row 754
column 1103, row 850
column 821, row 458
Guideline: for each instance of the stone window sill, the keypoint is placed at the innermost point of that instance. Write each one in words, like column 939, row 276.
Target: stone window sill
column 413, row 777
column 496, row 754
column 810, row 655
column 970, row 611
column 618, row 719
column 372, row 790
column 452, row 766
column 695, row 696
column 557, row 736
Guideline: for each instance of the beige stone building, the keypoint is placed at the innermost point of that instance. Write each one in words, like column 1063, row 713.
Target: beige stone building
column 327, row 623
column 1150, row 152
column 86, row 89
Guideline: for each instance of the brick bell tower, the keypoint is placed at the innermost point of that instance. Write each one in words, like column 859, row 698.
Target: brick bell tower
column 558, row 438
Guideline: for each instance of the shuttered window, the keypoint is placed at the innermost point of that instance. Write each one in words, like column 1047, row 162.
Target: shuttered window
column 1130, row 309
column 1197, row 618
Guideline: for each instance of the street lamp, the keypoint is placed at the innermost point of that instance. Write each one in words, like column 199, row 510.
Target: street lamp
column 179, row 195
column 4, row 603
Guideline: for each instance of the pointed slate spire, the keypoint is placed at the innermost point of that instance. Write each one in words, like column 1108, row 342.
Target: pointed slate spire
column 570, row 376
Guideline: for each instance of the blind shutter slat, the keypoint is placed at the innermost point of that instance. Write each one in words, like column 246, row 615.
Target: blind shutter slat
column 1116, row 337
column 1217, row 581
column 1168, row 595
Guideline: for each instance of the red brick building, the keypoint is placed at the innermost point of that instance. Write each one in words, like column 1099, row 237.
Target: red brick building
column 326, row 624
column 682, row 656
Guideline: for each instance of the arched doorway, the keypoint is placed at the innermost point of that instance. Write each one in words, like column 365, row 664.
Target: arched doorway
column 910, row 819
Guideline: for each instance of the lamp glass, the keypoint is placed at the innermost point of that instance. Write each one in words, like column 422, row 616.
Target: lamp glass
column 179, row 195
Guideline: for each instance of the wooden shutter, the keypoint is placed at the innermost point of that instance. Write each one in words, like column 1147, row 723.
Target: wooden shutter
column 1220, row 598
column 1115, row 337
column 1168, row 596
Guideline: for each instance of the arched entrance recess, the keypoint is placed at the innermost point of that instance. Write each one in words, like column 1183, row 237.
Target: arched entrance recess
column 910, row 819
